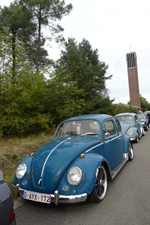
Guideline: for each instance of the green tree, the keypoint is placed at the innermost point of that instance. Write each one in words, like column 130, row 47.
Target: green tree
column 28, row 21
column 16, row 19
column 145, row 105
column 87, row 73
column 121, row 108
column 63, row 99
column 22, row 97
column 45, row 14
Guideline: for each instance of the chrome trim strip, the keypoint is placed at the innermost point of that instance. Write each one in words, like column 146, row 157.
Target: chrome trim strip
column 49, row 156
column 90, row 149
column 113, row 137
column 119, row 136
column 119, row 168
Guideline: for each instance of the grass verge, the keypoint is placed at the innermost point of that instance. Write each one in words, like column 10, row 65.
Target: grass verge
column 14, row 149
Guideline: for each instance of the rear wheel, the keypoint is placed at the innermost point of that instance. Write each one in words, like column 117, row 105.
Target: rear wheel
column 100, row 188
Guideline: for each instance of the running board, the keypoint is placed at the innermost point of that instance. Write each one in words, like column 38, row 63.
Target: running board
column 116, row 170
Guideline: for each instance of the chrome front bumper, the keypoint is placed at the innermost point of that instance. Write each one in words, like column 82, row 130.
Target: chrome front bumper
column 132, row 138
column 57, row 198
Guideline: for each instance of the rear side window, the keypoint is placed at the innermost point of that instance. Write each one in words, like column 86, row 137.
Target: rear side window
column 118, row 125
column 108, row 128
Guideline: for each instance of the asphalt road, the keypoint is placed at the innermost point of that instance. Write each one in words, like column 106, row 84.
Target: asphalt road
column 127, row 201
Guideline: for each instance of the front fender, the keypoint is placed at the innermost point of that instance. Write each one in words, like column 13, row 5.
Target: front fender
column 134, row 129
column 89, row 166
column 126, row 144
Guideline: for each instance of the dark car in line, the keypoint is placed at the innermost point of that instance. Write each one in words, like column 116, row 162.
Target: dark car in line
column 7, row 214
column 143, row 120
column 146, row 115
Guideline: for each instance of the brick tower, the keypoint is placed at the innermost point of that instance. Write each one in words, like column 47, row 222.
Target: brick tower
column 133, row 80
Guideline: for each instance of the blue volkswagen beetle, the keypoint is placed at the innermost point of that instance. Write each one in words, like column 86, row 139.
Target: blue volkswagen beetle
column 131, row 126
column 85, row 152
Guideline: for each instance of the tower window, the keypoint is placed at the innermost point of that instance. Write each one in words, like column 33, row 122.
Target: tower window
column 130, row 60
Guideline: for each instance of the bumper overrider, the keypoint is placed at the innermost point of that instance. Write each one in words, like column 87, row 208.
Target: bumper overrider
column 56, row 198
column 132, row 138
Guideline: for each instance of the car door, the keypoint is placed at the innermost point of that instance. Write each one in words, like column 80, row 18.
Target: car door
column 113, row 140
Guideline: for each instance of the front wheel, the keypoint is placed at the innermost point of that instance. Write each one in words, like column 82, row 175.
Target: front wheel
column 137, row 138
column 130, row 152
column 100, row 188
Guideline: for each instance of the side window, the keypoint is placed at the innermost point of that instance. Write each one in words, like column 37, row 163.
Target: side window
column 108, row 128
column 118, row 125
column 136, row 119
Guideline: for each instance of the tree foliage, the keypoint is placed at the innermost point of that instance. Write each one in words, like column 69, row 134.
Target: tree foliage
column 21, row 96
column 145, row 105
column 36, row 93
column 16, row 19
column 82, row 69
column 27, row 21
column 44, row 14
column 121, row 108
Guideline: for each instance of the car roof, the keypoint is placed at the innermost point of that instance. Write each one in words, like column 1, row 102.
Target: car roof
column 147, row 112
column 99, row 117
column 126, row 114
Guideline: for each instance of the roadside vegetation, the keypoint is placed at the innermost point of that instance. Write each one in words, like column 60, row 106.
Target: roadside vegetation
column 36, row 92
column 12, row 150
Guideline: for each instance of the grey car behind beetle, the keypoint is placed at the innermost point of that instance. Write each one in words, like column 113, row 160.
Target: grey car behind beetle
column 7, row 214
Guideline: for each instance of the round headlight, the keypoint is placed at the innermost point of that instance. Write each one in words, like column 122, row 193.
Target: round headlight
column 74, row 176
column 21, row 171
column 130, row 133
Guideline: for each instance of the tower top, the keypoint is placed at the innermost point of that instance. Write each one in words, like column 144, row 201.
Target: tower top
column 133, row 79
column 131, row 59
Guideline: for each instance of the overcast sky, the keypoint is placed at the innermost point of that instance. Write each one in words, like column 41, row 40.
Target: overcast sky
column 114, row 27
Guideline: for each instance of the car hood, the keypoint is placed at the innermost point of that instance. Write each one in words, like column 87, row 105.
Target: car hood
column 51, row 161
column 143, row 120
column 126, row 127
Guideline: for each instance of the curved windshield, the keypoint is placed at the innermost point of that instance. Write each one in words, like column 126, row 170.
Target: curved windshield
column 78, row 127
column 141, row 116
column 125, row 119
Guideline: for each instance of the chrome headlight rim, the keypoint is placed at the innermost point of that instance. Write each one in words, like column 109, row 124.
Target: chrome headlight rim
column 129, row 133
column 74, row 176
column 21, row 170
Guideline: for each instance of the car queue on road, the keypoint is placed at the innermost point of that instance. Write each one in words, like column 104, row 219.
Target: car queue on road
column 57, row 172
column 77, row 143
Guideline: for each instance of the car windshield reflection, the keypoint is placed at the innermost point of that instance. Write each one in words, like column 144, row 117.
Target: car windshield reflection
column 125, row 119
column 78, row 127
column 141, row 116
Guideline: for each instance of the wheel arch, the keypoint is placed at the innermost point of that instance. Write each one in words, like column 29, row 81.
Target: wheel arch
column 105, row 165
